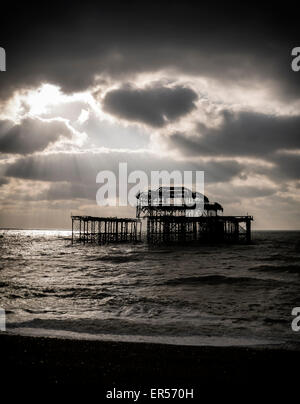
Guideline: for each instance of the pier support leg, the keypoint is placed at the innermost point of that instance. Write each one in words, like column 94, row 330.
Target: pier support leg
column 72, row 229
column 248, row 231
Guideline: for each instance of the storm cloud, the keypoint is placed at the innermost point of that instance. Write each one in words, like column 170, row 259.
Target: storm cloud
column 154, row 106
column 119, row 40
column 30, row 135
column 3, row 181
column 84, row 166
column 159, row 85
column 241, row 134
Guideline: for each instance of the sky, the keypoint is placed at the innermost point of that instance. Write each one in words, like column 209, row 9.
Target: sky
column 159, row 85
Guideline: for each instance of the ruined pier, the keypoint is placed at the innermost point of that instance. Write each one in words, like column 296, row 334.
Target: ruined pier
column 173, row 215
column 178, row 215
column 103, row 230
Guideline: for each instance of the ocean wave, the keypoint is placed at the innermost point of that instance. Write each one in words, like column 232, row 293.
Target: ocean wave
column 292, row 269
column 271, row 320
column 80, row 293
column 117, row 326
column 138, row 290
column 3, row 284
column 25, row 292
column 117, row 259
column 280, row 257
column 220, row 279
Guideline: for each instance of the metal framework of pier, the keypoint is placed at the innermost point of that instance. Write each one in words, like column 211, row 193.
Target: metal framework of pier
column 182, row 229
column 103, row 230
column 178, row 215
column 173, row 215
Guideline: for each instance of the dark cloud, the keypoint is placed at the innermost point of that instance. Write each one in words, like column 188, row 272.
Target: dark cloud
column 59, row 191
column 68, row 44
column 76, row 45
column 83, row 167
column 287, row 167
column 30, row 135
column 3, row 181
column 236, row 197
column 248, row 134
column 154, row 106
column 234, row 193
column 241, row 134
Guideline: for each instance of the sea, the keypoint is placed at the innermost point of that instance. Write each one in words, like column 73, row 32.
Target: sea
column 189, row 295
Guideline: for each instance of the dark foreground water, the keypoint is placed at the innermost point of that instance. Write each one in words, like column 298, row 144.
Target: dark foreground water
column 218, row 295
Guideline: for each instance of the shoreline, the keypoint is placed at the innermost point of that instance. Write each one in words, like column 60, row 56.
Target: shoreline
column 195, row 341
column 51, row 361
